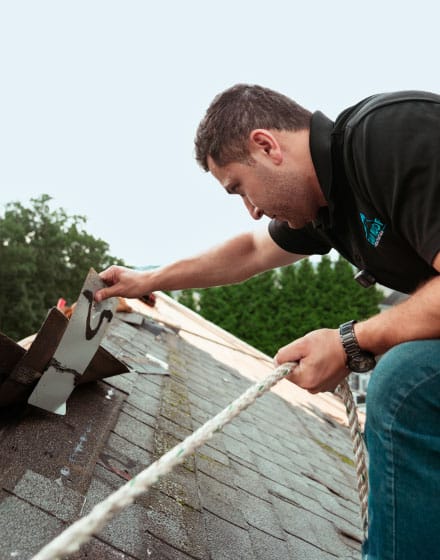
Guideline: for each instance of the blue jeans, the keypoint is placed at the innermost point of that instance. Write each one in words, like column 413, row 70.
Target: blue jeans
column 403, row 440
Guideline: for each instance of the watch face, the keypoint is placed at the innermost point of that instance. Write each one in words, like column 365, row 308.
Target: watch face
column 361, row 363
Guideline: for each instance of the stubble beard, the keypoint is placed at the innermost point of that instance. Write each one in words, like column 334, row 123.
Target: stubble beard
column 291, row 196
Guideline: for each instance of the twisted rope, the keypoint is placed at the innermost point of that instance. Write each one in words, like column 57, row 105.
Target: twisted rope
column 70, row 540
column 343, row 391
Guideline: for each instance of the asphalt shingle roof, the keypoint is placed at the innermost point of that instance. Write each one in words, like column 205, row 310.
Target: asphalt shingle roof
column 278, row 482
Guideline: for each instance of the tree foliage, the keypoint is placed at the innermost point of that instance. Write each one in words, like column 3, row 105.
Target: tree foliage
column 276, row 307
column 44, row 254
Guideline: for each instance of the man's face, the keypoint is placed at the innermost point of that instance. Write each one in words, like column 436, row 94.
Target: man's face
column 276, row 191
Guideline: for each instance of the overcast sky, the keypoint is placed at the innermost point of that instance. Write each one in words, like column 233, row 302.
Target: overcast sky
column 100, row 99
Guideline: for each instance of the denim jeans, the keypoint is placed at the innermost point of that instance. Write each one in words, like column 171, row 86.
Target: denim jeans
column 403, row 440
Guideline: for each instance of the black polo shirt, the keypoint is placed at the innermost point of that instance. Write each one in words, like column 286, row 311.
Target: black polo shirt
column 379, row 169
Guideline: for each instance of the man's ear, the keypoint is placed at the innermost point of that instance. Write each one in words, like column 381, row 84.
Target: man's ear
column 264, row 142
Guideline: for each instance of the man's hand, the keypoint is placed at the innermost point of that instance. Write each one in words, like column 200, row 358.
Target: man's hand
column 321, row 360
column 122, row 281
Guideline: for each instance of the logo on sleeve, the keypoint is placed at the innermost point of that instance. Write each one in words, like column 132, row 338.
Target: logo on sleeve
column 373, row 229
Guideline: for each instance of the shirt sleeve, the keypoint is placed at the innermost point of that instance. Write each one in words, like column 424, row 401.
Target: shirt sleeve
column 304, row 241
column 395, row 161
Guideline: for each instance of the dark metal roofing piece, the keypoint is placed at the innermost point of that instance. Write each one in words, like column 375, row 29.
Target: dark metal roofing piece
column 103, row 365
column 76, row 349
column 28, row 370
column 10, row 353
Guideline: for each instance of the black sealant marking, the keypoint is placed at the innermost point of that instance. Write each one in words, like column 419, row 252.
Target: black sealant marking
column 63, row 369
column 106, row 314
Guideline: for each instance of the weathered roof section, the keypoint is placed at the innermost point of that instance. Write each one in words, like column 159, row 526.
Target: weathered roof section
column 278, row 482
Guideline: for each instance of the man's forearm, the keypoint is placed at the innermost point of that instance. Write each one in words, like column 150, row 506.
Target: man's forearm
column 234, row 261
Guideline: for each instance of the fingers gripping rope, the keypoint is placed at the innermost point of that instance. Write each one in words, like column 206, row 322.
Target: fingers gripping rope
column 82, row 530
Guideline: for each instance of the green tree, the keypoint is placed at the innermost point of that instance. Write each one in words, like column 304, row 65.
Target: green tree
column 44, row 254
column 325, row 306
column 255, row 320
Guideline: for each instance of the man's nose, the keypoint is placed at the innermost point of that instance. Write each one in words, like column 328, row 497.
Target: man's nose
column 257, row 213
column 254, row 211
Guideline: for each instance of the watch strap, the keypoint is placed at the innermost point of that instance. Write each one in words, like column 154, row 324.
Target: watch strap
column 348, row 338
column 358, row 360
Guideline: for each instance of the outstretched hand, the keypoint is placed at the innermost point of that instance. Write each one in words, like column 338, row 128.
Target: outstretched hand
column 121, row 281
column 321, row 360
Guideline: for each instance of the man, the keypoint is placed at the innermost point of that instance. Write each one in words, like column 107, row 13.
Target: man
column 369, row 186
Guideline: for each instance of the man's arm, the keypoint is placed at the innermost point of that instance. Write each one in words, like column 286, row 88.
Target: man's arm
column 234, row 261
column 416, row 318
column 322, row 360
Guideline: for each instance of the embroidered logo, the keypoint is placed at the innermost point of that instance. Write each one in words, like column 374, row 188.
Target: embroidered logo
column 373, row 229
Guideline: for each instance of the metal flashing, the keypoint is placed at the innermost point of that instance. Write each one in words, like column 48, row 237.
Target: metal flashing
column 10, row 353
column 76, row 349
column 28, row 369
column 24, row 369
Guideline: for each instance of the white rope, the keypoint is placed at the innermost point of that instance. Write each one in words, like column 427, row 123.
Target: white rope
column 70, row 540
column 343, row 391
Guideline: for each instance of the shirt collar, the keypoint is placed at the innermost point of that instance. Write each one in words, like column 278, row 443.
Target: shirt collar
column 321, row 129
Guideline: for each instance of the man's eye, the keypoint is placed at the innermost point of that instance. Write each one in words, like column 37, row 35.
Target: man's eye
column 234, row 189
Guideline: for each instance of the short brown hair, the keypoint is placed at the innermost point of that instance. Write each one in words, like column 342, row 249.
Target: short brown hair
column 234, row 113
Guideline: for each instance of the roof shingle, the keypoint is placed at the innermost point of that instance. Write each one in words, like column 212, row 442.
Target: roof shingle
column 278, row 482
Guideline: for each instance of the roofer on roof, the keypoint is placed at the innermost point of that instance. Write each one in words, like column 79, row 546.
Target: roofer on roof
column 367, row 185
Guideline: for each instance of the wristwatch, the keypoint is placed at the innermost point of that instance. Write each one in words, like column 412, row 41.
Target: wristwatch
column 358, row 360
